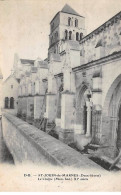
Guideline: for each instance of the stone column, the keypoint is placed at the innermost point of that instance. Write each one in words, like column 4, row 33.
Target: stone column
column 67, row 73
column 66, row 133
column 51, row 99
column 50, row 107
column 88, row 132
column 97, row 90
column 73, row 82
column 97, row 107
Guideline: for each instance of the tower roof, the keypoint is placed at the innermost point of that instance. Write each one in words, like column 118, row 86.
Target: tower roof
column 67, row 9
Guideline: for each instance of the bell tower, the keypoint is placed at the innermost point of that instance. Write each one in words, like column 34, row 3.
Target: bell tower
column 67, row 25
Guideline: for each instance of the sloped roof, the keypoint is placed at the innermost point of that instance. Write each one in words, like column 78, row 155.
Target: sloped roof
column 11, row 76
column 26, row 61
column 67, row 9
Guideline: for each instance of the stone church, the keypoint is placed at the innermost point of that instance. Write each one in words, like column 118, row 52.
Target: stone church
column 76, row 91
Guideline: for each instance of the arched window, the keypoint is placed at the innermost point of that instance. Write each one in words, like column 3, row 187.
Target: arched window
column 77, row 36
column 12, row 103
column 66, row 34
column 81, row 36
column 69, row 21
column 6, row 102
column 76, row 23
column 70, row 35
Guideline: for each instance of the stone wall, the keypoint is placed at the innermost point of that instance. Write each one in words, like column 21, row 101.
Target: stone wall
column 10, row 89
column 27, row 143
column 103, row 41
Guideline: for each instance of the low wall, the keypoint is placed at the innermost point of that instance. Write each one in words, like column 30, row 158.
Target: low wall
column 27, row 143
column 11, row 111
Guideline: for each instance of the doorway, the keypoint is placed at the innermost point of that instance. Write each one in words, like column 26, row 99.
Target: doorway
column 118, row 142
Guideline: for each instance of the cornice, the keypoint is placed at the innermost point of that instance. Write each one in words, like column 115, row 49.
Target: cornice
column 103, row 27
column 105, row 59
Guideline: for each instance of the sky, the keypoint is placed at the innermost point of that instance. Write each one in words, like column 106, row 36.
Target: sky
column 24, row 25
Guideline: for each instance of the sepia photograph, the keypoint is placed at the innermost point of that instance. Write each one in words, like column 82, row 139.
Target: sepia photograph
column 60, row 95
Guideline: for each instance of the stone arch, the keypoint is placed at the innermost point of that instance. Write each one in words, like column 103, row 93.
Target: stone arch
column 66, row 34
column 76, row 23
column 118, row 130
column 109, row 95
column 81, row 36
column 77, row 36
column 110, row 117
column 70, row 35
column 81, row 109
column 69, row 21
